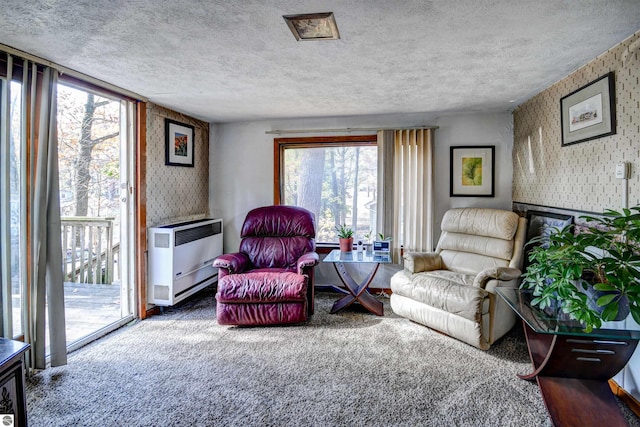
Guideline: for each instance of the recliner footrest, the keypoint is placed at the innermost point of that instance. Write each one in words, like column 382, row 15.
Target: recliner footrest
column 262, row 287
column 261, row 314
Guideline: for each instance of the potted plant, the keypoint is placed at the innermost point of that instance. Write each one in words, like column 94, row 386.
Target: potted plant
column 592, row 276
column 345, row 234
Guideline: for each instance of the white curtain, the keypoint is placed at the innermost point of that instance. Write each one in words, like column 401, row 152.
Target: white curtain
column 42, row 286
column 405, row 174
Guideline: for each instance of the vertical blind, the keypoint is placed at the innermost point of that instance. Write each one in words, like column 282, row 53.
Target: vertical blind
column 405, row 183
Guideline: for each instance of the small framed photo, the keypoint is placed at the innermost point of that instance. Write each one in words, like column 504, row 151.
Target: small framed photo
column 178, row 143
column 589, row 112
column 381, row 247
column 472, row 171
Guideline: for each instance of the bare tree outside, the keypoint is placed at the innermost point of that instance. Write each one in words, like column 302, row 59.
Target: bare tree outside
column 89, row 149
column 88, row 140
column 89, row 159
column 15, row 151
column 311, row 172
column 336, row 183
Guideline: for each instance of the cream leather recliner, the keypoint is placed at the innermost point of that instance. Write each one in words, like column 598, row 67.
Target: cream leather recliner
column 452, row 289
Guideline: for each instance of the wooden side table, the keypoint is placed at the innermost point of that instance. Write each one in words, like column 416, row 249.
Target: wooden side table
column 12, row 393
column 573, row 367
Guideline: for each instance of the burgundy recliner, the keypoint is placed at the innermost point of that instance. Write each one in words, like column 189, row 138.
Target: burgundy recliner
column 269, row 281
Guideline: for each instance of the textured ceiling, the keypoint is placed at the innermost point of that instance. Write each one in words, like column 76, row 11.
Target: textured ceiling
column 223, row 61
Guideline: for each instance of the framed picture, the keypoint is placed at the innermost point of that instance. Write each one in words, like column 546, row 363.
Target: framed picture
column 472, row 171
column 543, row 224
column 589, row 112
column 178, row 143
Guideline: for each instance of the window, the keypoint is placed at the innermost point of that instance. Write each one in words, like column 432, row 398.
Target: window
column 333, row 177
column 13, row 187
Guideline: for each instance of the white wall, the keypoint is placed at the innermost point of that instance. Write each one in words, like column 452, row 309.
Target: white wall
column 241, row 160
column 474, row 129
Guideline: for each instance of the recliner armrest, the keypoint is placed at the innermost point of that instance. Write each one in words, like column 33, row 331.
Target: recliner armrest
column 503, row 274
column 310, row 259
column 416, row 262
column 234, row 263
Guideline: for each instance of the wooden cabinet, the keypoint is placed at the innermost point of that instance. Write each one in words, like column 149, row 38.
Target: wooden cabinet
column 12, row 393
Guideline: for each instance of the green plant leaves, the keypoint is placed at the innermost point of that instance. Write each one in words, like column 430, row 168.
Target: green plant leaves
column 635, row 312
column 610, row 311
column 607, row 255
column 603, row 287
column 607, row 299
column 344, row 232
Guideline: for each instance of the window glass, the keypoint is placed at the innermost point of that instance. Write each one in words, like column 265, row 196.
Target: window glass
column 14, row 195
column 335, row 182
column 89, row 147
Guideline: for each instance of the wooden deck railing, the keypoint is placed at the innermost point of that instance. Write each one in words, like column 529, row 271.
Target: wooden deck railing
column 88, row 250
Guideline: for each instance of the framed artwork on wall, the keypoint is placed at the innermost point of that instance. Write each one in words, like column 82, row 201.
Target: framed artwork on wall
column 589, row 112
column 178, row 143
column 472, row 171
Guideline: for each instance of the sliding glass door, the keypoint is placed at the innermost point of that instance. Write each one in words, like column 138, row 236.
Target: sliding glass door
column 12, row 227
column 94, row 139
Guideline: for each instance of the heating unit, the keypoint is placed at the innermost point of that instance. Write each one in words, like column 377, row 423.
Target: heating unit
column 180, row 259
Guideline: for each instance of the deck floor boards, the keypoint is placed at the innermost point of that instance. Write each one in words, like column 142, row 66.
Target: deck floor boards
column 88, row 308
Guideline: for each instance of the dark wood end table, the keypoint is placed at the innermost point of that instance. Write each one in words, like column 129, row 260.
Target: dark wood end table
column 573, row 367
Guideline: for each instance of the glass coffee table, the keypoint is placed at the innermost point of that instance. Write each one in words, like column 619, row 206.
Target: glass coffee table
column 572, row 367
column 357, row 291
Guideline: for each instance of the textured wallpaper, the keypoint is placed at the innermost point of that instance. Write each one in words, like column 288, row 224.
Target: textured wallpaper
column 175, row 193
column 580, row 176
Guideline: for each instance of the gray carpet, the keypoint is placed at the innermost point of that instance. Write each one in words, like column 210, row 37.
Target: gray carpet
column 346, row 369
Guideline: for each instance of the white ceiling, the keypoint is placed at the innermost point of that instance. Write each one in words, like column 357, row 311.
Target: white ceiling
column 223, row 60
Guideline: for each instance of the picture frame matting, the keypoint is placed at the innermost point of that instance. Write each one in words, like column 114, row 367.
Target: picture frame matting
column 589, row 112
column 179, row 146
column 472, row 171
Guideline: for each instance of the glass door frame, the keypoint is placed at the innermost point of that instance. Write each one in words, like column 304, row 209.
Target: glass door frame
column 126, row 261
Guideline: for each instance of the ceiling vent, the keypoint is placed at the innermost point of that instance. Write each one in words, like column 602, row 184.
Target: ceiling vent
column 313, row 26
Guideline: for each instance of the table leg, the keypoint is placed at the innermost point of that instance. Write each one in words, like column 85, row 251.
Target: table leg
column 357, row 291
column 331, row 288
